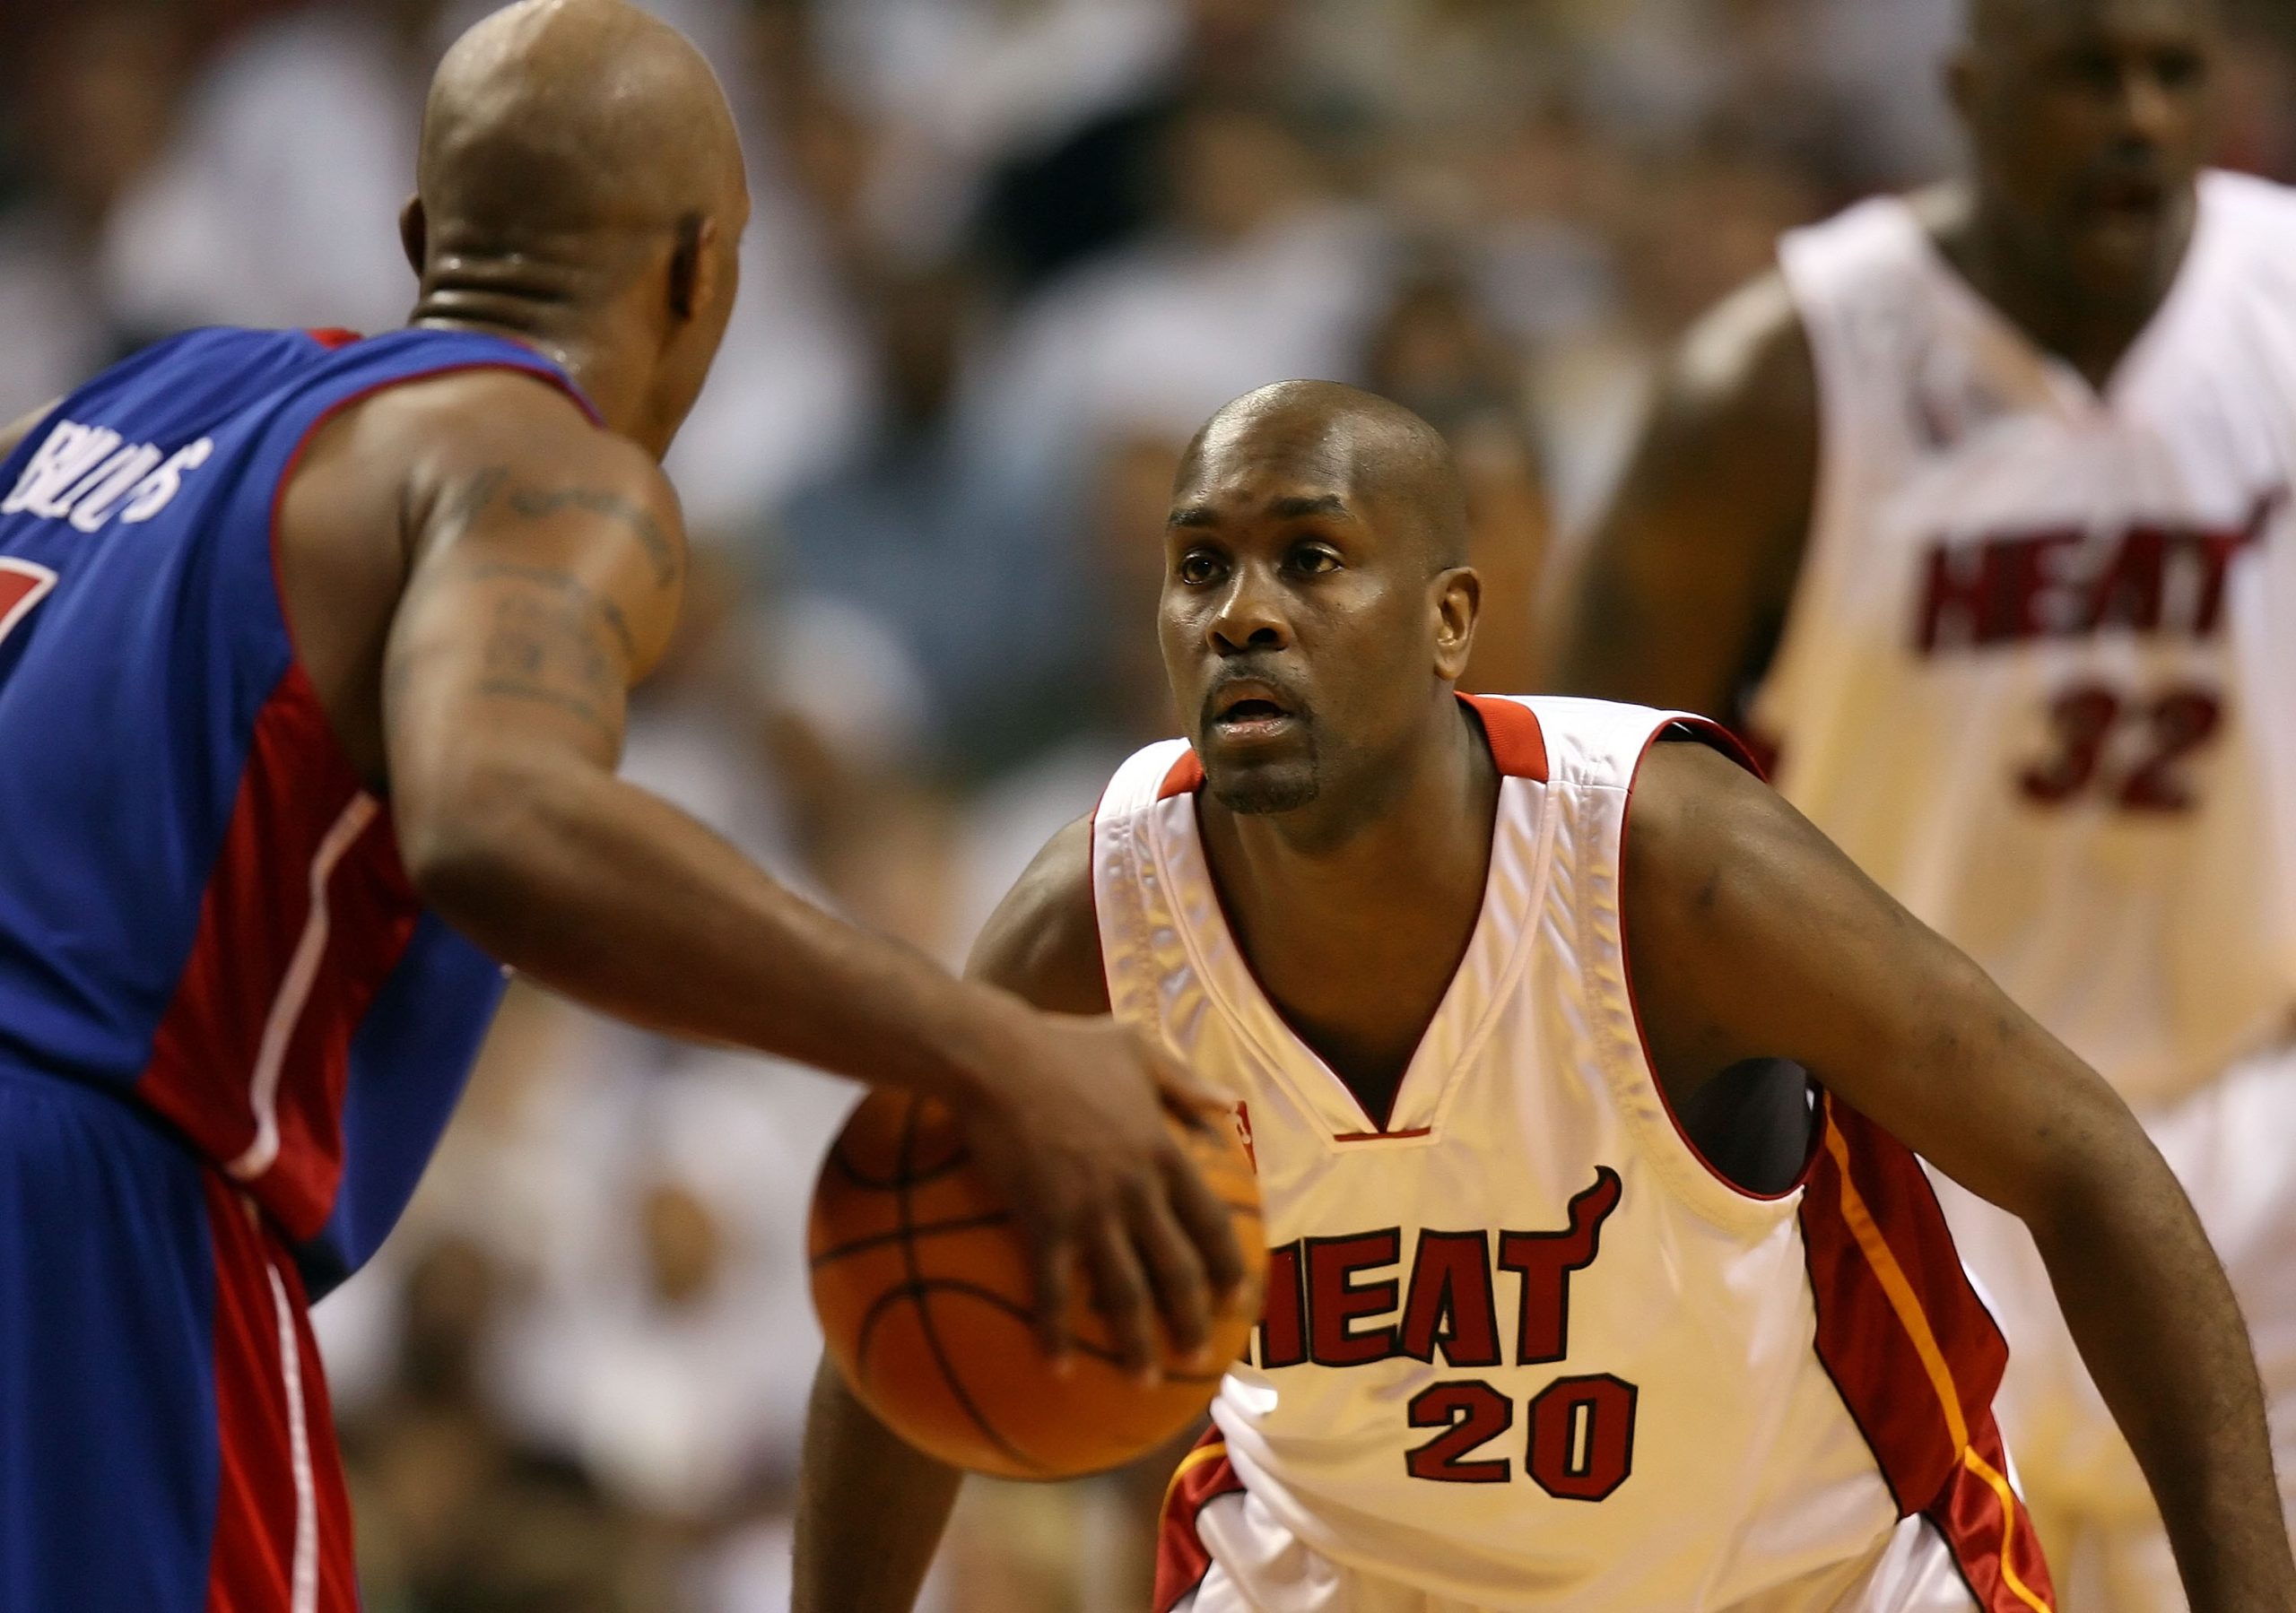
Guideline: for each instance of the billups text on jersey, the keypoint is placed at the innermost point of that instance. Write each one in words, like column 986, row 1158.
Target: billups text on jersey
column 2065, row 582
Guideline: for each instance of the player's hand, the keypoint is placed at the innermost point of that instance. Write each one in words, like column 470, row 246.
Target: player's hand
column 1075, row 1134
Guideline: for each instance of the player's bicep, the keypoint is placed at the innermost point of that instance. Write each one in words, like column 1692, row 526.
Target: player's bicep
column 1751, row 935
column 544, row 583
column 1043, row 941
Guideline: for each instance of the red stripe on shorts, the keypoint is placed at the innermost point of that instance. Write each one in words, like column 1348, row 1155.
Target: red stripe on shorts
column 1181, row 1560
column 283, row 1516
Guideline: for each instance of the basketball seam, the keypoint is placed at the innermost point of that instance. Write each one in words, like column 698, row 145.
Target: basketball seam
column 928, row 1229
column 920, row 1295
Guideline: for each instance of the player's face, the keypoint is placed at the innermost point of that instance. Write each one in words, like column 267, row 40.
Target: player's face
column 2090, row 119
column 1298, row 629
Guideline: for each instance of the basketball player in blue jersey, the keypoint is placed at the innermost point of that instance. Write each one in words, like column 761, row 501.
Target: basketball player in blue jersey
column 313, row 659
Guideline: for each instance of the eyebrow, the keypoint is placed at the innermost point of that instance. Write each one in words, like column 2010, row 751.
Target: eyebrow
column 1294, row 509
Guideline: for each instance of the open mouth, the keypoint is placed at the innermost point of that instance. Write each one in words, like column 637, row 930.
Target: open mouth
column 1250, row 710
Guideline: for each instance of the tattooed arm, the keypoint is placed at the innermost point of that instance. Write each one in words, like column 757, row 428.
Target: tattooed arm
column 540, row 560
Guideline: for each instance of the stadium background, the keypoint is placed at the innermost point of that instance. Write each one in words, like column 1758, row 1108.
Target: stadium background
column 1006, row 254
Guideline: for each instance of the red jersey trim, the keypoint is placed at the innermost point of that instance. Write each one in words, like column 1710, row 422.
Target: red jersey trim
column 1184, row 778
column 1915, row 1355
column 333, row 336
column 1203, row 1475
column 1517, row 743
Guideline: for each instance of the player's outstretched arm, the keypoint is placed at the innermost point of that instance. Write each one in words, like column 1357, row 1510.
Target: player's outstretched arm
column 1752, row 936
column 1695, row 558
column 546, row 562
column 871, row 1508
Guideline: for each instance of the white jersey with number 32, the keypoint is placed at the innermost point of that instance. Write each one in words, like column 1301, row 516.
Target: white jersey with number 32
column 1522, row 1348
column 2036, row 678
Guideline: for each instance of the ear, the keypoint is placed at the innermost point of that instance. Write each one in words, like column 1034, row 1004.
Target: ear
column 694, row 271
column 413, row 233
column 1459, row 600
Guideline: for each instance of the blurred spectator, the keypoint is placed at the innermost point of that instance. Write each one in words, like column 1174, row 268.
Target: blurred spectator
column 277, row 203
column 90, row 102
column 1439, row 353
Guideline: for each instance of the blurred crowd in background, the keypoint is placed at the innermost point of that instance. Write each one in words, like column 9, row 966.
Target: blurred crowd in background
column 1006, row 255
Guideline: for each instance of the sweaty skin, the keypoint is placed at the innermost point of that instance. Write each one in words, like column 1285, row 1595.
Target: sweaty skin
column 2089, row 121
column 476, row 574
column 1297, row 558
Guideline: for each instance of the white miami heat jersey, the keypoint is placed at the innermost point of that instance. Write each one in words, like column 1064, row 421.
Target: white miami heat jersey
column 1522, row 1348
column 2035, row 678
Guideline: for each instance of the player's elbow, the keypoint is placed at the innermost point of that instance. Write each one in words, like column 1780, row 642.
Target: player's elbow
column 471, row 842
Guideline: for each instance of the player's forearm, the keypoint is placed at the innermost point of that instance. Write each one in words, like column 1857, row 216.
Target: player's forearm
column 606, row 893
column 870, row 1509
column 2148, row 1303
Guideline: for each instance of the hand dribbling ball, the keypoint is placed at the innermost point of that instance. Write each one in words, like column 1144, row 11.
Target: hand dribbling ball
column 922, row 1283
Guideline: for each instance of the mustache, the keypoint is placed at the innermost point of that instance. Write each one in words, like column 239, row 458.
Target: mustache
column 1236, row 673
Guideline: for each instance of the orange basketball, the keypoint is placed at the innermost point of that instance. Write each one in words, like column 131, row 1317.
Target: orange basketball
column 922, row 1283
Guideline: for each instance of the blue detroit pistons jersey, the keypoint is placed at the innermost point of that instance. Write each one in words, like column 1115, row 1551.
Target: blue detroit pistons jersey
column 202, row 905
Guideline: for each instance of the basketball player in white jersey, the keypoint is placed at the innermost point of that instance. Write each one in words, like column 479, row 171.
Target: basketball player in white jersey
column 1984, row 496
column 1579, row 1298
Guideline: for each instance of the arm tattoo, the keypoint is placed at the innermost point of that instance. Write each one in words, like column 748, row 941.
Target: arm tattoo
column 535, row 504
column 544, row 650
column 566, row 584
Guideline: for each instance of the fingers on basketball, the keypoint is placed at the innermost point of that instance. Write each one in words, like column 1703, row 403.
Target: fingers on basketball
column 927, row 1290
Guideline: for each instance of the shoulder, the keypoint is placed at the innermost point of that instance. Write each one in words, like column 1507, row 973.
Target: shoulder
column 428, row 444
column 1043, row 943
column 1746, row 363
column 1690, row 793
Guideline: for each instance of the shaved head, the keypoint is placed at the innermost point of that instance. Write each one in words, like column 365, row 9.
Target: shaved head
column 580, row 184
column 1318, row 606
column 1382, row 453
column 557, row 119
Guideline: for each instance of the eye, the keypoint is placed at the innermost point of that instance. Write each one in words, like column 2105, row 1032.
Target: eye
column 2179, row 69
column 1199, row 567
column 1313, row 559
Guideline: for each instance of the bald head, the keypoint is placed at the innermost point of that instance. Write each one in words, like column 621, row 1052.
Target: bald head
column 1382, row 455
column 559, row 128
column 580, row 186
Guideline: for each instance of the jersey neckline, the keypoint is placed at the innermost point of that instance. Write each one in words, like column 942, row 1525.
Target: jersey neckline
column 1513, row 872
column 2072, row 389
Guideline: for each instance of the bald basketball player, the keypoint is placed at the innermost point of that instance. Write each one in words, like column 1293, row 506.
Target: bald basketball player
column 1978, row 507
column 314, row 652
column 1580, row 1300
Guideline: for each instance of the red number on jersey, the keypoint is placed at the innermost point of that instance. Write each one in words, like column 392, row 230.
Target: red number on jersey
column 1471, row 1413
column 1582, row 1436
column 2176, row 722
column 22, row 586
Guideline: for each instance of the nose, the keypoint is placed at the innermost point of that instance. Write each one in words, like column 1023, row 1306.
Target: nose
column 2148, row 107
column 1247, row 618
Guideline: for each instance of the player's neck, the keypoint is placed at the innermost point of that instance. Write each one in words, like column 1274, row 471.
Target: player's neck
column 611, row 384
column 2089, row 331
column 1420, row 829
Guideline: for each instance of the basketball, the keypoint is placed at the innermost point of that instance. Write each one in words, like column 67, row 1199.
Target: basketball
column 922, row 1283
